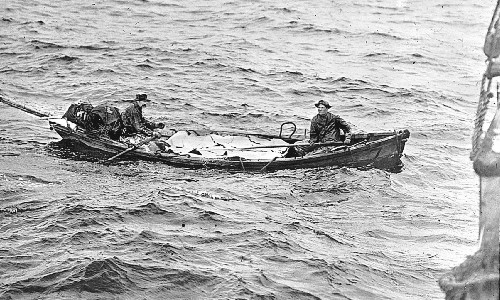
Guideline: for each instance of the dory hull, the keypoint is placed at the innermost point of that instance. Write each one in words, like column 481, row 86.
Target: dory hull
column 380, row 150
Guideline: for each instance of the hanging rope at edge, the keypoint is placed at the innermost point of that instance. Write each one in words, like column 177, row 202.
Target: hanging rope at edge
column 492, row 51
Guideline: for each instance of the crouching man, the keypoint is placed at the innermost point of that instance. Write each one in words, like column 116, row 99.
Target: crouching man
column 133, row 120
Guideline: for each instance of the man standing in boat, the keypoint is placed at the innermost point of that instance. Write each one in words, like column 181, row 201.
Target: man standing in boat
column 133, row 120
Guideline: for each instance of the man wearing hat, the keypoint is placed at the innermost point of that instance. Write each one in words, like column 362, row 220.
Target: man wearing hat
column 325, row 126
column 133, row 120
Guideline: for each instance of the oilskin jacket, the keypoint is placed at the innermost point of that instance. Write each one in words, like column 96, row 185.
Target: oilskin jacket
column 106, row 121
column 79, row 113
column 134, row 122
column 326, row 128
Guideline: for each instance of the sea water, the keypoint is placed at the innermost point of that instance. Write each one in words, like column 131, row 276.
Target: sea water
column 72, row 228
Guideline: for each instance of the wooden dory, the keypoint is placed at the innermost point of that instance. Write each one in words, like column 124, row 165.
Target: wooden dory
column 366, row 150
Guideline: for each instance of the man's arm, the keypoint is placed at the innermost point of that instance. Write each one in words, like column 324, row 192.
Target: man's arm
column 343, row 125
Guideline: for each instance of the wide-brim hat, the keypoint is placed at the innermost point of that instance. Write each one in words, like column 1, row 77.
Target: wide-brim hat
column 323, row 102
column 141, row 97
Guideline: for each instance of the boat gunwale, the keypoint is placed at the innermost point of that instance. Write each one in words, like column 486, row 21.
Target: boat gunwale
column 234, row 162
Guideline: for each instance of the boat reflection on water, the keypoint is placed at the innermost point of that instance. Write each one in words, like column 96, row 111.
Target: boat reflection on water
column 69, row 149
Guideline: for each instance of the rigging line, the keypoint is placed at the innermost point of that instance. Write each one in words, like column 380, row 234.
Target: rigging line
column 484, row 97
column 495, row 14
column 482, row 108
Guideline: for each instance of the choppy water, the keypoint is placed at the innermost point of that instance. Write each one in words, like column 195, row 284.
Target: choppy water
column 73, row 228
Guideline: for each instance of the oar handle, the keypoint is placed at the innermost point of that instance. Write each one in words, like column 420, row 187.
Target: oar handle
column 154, row 137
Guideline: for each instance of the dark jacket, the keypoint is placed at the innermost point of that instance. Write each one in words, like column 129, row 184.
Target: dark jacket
column 79, row 113
column 106, row 121
column 134, row 121
column 326, row 128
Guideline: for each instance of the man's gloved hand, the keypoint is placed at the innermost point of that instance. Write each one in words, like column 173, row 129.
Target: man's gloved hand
column 146, row 131
column 160, row 125
column 347, row 139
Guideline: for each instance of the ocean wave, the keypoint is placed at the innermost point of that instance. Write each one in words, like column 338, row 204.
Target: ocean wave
column 246, row 70
column 315, row 29
column 94, row 47
column 211, row 216
column 16, row 202
column 283, row 287
column 285, row 10
column 112, row 276
column 65, row 58
column 144, row 66
column 39, row 44
column 101, row 71
column 28, row 178
column 83, row 238
column 309, row 28
column 107, row 275
column 386, row 35
column 150, row 209
column 85, row 216
column 46, row 45
column 286, row 73
column 229, row 115
column 78, row 210
column 241, row 117
column 376, row 54
column 39, row 22
column 140, row 230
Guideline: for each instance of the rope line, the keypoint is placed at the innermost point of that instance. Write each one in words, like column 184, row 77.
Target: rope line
column 485, row 94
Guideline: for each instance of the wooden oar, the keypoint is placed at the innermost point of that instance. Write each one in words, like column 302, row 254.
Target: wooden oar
column 24, row 108
column 279, row 146
column 154, row 137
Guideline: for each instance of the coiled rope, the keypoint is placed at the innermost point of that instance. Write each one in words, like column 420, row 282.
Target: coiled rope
column 491, row 50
